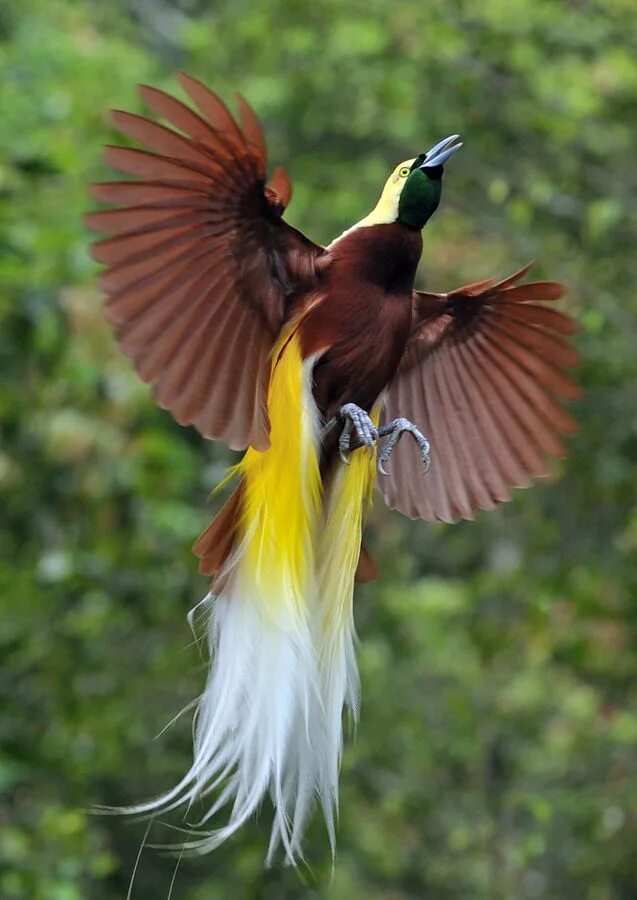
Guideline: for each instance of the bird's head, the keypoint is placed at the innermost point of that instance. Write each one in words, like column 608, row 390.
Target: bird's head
column 412, row 192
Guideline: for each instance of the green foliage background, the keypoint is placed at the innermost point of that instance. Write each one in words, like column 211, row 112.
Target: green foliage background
column 497, row 752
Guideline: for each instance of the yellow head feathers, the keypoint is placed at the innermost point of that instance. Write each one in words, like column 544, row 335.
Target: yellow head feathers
column 386, row 210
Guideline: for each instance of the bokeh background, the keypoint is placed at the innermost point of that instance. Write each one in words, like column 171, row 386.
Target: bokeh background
column 497, row 752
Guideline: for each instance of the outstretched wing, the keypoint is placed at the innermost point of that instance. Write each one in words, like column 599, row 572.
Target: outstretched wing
column 482, row 376
column 201, row 265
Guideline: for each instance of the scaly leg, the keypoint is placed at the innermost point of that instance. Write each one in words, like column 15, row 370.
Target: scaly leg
column 355, row 420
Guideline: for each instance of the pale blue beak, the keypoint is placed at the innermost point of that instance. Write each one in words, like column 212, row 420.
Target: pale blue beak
column 439, row 154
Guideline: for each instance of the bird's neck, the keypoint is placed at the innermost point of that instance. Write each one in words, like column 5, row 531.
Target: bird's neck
column 384, row 213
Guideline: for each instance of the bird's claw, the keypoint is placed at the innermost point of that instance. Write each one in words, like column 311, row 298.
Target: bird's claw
column 355, row 420
column 358, row 423
column 395, row 430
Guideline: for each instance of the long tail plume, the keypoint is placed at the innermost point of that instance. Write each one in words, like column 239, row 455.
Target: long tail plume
column 280, row 632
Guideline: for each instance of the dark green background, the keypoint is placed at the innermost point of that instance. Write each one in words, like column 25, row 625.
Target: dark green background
column 497, row 751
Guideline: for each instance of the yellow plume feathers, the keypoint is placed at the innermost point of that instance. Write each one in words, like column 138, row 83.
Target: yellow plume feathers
column 350, row 495
column 283, row 486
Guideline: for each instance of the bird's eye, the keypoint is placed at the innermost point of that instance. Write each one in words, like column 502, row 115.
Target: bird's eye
column 403, row 171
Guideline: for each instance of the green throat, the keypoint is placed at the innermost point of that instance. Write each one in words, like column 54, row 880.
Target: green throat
column 420, row 197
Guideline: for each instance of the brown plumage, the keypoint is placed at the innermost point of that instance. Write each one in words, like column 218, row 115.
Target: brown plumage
column 363, row 323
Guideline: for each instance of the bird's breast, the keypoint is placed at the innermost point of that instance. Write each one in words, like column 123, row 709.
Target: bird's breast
column 360, row 329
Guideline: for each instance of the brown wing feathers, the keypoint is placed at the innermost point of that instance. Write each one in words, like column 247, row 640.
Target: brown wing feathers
column 483, row 377
column 200, row 264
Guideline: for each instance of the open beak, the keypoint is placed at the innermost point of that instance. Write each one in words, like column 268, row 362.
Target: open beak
column 439, row 154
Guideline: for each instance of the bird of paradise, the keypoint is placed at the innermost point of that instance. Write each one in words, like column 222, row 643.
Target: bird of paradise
column 308, row 358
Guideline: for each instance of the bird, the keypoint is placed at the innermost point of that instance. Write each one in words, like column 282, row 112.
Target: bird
column 315, row 361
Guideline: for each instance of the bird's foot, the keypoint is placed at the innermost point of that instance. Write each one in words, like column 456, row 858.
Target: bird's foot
column 360, row 431
column 395, row 430
column 357, row 423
